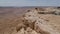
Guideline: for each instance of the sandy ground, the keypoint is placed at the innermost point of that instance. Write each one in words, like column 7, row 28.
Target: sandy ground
column 10, row 17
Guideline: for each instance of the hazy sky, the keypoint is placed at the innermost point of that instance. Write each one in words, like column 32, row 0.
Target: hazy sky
column 29, row 2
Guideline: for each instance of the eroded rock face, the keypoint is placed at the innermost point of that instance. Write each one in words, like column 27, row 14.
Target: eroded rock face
column 33, row 24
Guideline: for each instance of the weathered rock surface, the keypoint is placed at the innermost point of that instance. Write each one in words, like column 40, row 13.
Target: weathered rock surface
column 35, row 23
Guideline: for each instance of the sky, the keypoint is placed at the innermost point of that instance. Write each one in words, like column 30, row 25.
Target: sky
column 29, row 2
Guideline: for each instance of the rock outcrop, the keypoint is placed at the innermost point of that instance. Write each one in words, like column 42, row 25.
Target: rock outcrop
column 34, row 24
